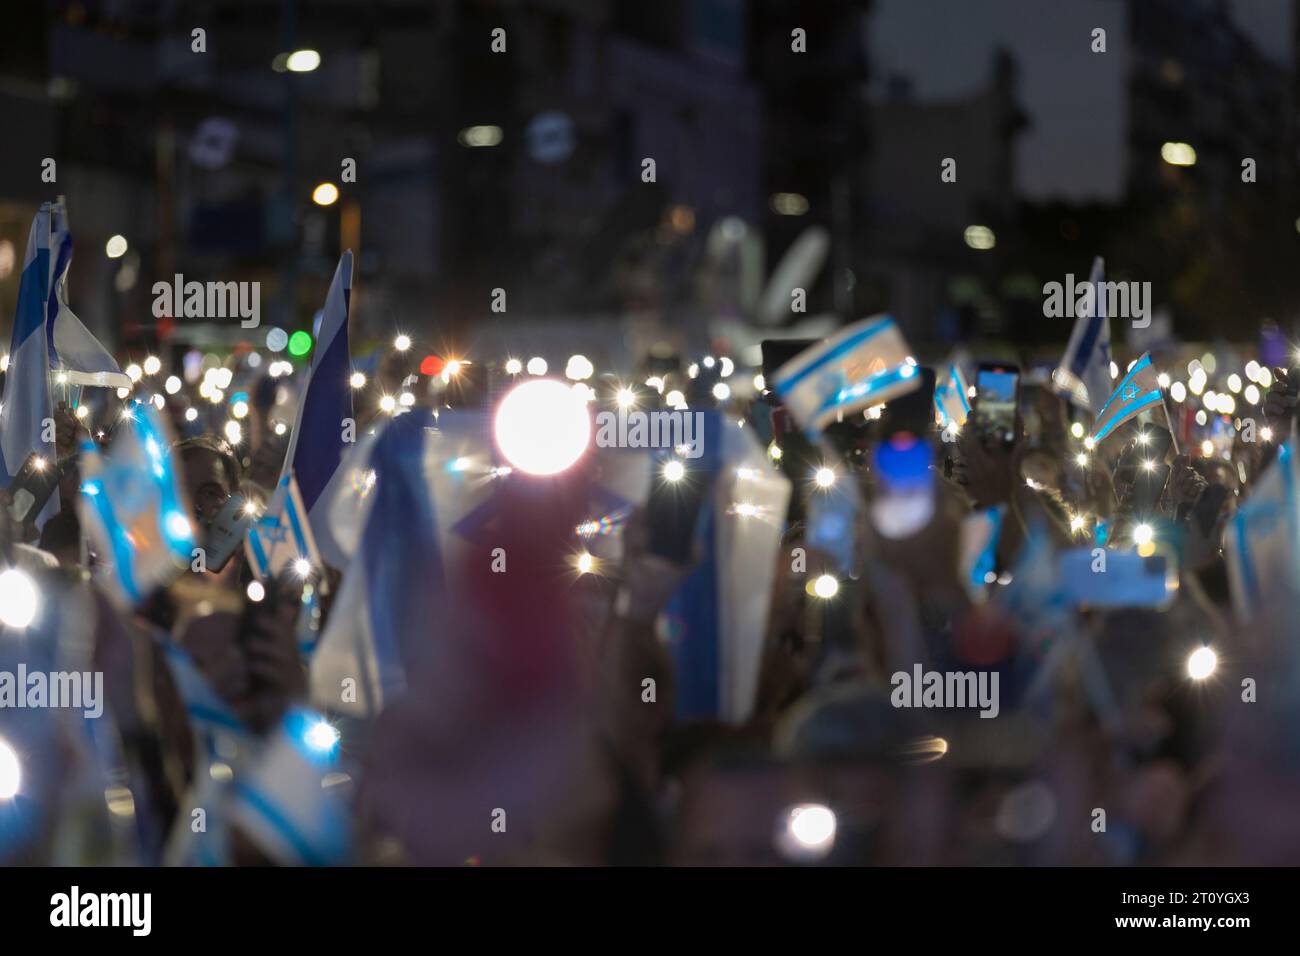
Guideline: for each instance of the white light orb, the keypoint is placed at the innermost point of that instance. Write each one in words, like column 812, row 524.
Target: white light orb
column 542, row 427
column 826, row 587
column 1201, row 663
column 806, row 832
column 19, row 599
column 11, row 771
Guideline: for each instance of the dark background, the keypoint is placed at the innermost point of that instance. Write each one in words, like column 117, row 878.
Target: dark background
column 1058, row 152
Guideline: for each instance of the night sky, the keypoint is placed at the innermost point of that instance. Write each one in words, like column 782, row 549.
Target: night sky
column 1075, row 98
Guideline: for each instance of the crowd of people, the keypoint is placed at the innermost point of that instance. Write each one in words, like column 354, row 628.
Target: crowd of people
column 537, row 719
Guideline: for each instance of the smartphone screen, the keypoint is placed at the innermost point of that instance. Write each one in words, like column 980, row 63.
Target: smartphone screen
column 33, row 486
column 832, row 521
column 904, row 499
column 997, row 390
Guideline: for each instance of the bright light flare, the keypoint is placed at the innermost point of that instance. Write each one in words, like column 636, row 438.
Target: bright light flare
column 302, row 61
column 1178, row 154
column 1201, row 663
column 322, row 736
column 11, row 771
column 325, row 194
column 807, row 832
column 826, row 587
column 19, row 599
column 542, row 427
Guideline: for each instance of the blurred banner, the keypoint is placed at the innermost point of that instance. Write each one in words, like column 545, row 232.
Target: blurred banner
column 716, row 622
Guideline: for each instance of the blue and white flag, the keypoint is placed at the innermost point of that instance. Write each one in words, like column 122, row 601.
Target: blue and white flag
column 716, row 623
column 135, row 510
column 76, row 355
column 283, row 801
column 1084, row 372
column 1138, row 391
column 951, row 400
column 316, row 446
column 394, row 586
column 220, row 738
column 26, row 406
column 282, row 534
column 1262, row 542
column 864, row 364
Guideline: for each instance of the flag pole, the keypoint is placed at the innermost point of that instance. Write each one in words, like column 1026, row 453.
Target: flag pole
column 1169, row 420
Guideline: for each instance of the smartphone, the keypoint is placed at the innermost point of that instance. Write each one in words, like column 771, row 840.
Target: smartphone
column 1129, row 580
column 1142, row 473
column 227, row 532
column 673, row 508
column 1148, row 487
column 904, row 499
column 32, row 487
column 1153, row 442
column 997, row 393
column 912, row 413
column 831, row 523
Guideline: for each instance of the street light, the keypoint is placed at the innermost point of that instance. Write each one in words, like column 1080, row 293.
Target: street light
column 1178, row 154
column 302, row 61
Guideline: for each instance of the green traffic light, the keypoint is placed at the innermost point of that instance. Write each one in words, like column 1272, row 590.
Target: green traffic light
column 300, row 343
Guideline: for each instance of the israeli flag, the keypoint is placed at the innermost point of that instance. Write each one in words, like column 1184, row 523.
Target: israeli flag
column 26, row 405
column 76, row 355
column 1084, row 372
column 864, row 364
column 316, row 446
column 951, row 401
column 135, row 510
column 281, row 798
column 282, row 534
column 1262, row 541
column 1138, row 390
column 220, row 738
column 716, row 623
column 395, row 583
